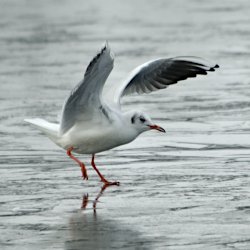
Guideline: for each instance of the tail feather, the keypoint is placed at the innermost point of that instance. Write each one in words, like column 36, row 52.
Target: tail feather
column 48, row 128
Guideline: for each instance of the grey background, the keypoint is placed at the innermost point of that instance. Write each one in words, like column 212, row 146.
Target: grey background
column 188, row 189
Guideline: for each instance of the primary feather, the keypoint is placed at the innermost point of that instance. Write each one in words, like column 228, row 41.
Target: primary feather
column 85, row 102
column 160, row 73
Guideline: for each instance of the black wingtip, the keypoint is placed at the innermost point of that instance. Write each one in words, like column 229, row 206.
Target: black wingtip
column 105, row 46
column 213, row 68
column 98, row 55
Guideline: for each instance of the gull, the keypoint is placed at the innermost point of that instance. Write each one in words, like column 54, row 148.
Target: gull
column 93, row 121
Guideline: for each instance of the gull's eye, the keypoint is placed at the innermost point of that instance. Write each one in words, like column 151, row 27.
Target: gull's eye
column 142, row 119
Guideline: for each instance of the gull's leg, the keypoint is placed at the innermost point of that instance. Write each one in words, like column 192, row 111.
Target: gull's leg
column 100, row 175
column 82, row 166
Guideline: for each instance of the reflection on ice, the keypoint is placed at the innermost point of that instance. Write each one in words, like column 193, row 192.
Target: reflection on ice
column 85, row 199
column 91, row 230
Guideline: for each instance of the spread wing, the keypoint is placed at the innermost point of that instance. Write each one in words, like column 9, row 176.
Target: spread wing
column 160, row 73
column 84, row 103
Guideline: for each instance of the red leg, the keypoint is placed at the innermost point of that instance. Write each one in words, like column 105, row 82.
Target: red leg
column 82, row 166
column 100, row 175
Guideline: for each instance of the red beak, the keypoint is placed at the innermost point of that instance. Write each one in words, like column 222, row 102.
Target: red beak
column 157, row 128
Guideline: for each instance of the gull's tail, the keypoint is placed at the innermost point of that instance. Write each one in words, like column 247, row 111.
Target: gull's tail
column 48, row 128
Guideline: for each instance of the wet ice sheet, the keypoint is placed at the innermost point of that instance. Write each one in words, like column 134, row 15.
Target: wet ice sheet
column 188, row 189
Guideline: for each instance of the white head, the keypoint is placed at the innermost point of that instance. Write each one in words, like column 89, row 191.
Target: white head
column 142, row 122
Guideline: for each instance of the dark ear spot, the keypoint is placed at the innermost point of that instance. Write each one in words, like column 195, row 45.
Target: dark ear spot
column 133, row 119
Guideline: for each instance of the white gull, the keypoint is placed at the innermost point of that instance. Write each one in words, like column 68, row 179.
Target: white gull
column 90, row 124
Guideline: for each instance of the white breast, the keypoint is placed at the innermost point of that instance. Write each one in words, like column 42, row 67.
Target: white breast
column 97, row 139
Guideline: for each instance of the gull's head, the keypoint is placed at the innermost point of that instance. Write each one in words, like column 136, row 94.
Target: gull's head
column 142, row 122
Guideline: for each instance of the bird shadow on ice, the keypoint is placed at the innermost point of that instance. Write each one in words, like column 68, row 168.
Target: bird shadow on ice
column 94, row 230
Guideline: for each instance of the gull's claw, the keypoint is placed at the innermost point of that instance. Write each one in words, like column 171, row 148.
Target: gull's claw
column 108, row 183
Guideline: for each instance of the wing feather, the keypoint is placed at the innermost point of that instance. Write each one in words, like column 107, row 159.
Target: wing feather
column 161, row 73
column 85, row 102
